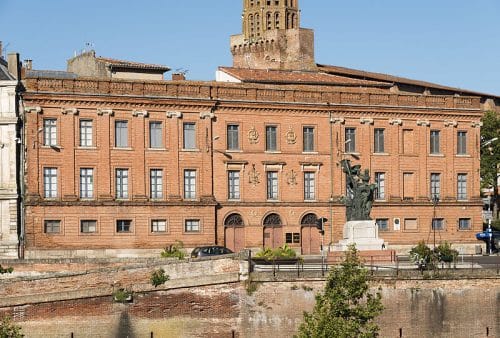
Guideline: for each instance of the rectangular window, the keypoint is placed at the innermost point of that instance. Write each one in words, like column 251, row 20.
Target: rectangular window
column 189, row 184
column 462, row 187
column 87, row 227
column 435, row 142
column 272, row 185
column 437, row 224
column 233, row 134
column 52, row 227
column 411, row 224
column 156, row 183
column 379, row 146
column 462, row 143
column 192, row 225
column 308, row 136
column 408, row 186
column 408, row 141
column 380, row 186
column 271, row 140
column 86, row 183
column 121, row 183
column 50, row 132
column 155, row 135
column 464, row 224
column 123, row 225
column 50, row 182
column 86, row 134
column 309, row 186
column 121, row 134
column 292, row 238
column 435, row 186
column 158, row 225
column 350, row 140
column 189, row 136
column 383, row 224
column 233, row 178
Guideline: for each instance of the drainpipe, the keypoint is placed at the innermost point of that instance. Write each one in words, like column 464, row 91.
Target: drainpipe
column 212, row 110
column 21, row 170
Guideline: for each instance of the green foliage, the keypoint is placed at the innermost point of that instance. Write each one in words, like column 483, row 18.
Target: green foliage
column 174, row 251
column 8, row 329
column 346, row 308
column 490, row 154
column 158, row 277
column 495, row 225
column 445, row 253
column 423, row 256
column 6, row 270
column 122, row 296
column 283, row 252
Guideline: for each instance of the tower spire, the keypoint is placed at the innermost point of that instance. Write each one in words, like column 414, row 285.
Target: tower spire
column 272, row 37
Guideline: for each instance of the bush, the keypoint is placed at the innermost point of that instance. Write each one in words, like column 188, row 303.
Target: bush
column 6, row 270
column 423, row 256
column 158, row 277
column 174, row 251
column 445, row 253
column 283, row 252
column 122, row 296
column 9, row 330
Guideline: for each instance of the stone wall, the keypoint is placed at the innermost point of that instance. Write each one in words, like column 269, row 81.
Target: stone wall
column 210, row 298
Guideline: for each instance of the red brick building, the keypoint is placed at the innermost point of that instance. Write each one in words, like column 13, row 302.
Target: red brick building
column 118, row 166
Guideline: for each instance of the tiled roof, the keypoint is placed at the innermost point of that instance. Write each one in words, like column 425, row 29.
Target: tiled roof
column 4, row 72
column 361, row 74
column 297, row 77
column 52, row 74
column 134, row 65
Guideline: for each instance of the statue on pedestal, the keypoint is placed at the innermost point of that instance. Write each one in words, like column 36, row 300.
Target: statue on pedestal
column 360, row 193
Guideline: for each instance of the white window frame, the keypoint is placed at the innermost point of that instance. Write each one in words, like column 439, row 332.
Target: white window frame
column 86, row 183
column 86, row 133
column 50, row 132
column 50, row 183
column 190, row 184
column 122, row 183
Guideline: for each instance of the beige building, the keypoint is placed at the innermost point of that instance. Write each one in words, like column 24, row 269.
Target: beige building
column 9, row 157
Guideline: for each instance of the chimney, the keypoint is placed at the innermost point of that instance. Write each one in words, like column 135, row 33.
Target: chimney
column 28, row 64
column 178, row 77
column 14, row 65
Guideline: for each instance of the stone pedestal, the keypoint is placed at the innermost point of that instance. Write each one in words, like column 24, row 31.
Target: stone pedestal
column 362, row 233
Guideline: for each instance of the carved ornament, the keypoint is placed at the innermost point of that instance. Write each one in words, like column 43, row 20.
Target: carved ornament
column 338, row 120
column 397, row 122
column 109, row 112
column 207, row 114
column 253, row 136
column 72, row 111
column 291, row 137
column 174, row 114
column 366, row 120
column 35, row 109
column 253, row 176
column 291, row 178
column 423, row 123
column 140, row 113
column 448, row 123
column 476, row 124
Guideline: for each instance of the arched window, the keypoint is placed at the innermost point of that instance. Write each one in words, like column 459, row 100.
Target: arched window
column 294, row 20
column 268, row 21
column 309, row 219
column 252, row 27
column 257, row 24
column 251, row 2
column 272, row 220
column 288, row 20
column 233, row 220
column 277, row 20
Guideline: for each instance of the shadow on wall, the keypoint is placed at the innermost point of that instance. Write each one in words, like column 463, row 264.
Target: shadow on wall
column 125, row 329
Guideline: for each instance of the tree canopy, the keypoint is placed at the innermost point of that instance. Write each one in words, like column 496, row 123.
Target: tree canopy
column 490, row 153
column 346, row 308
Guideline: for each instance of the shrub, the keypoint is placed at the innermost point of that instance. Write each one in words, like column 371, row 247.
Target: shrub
column 174, row 251
column 283, row 252
column 445, row 253
column 122, row 296
column 9, row 330
column 158, row 277
column 6, row 270
column 423, row 256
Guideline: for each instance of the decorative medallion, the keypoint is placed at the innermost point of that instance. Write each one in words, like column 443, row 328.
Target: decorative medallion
column 253, row 176
column 291, row 178
column 254, row 214
column 253, row 136
column 291, row 137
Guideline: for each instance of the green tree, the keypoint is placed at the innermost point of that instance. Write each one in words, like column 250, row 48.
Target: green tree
column 490, row 155
column 9, row 330
column 346, row 308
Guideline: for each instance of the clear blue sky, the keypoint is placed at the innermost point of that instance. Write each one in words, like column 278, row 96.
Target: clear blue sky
column 450, row 42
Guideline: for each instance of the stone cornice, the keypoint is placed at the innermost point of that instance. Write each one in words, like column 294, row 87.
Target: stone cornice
column 246, row 92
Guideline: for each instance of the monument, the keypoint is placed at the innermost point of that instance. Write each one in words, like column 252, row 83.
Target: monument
column 359, row 229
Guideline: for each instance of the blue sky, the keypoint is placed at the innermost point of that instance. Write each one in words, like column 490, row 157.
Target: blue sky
column 450, row 42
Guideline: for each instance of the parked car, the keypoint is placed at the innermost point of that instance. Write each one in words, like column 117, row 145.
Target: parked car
column 211, row 250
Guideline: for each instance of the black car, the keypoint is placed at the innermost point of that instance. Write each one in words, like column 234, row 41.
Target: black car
column 211, row 250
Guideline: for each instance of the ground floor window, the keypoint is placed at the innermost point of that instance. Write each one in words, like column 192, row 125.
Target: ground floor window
column 383, row 224
column 88, row 226
column 123, row 226
column 52, row 227
column 464, row 224
column 292, row 237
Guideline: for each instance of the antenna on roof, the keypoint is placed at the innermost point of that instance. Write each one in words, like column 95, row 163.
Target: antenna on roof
column 181, row 71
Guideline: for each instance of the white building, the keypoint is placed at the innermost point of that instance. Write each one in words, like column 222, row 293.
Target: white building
column 10, row 215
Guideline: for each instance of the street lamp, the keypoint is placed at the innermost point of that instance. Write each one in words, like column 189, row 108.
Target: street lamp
column 434, row 200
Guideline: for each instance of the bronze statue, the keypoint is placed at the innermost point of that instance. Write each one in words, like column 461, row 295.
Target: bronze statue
column 360, row 193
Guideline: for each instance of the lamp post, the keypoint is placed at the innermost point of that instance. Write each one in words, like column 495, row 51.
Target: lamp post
column 435, row 200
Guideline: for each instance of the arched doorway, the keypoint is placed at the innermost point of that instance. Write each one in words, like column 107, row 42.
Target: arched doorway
column 273, row 231
column 311, row 239
column 234, row 232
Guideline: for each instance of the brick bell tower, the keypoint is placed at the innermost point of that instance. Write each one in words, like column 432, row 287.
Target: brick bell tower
column 272, row 37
